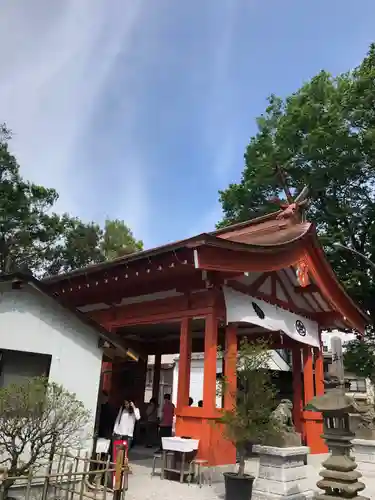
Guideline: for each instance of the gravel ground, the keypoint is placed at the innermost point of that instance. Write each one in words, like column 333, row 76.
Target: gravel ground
column 144, row 487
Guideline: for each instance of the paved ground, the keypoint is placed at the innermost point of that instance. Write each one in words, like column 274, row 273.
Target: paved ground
column 144, row 487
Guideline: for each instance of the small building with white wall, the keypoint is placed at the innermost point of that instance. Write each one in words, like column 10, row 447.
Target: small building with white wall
column 275, row 363
column 169, row 375
column 41, row 337
column 360, row 388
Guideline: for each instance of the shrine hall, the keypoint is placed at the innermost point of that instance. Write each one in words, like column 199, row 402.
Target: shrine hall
column 265, row 278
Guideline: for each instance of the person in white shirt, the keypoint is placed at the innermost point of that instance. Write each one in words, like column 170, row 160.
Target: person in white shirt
column 125, row 422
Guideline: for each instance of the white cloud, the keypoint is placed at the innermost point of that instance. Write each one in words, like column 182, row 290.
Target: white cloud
column 57, row 60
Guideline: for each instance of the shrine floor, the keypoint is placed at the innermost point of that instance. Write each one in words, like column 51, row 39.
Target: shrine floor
column 144, row 487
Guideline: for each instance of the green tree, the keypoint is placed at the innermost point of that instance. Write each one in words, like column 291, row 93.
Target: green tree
column 84, row 244
column 359, row 356
column 78, row 246
column 118, row 240
column 250, row 418
column 27, row 228
column 323, row 136
column 34, row 239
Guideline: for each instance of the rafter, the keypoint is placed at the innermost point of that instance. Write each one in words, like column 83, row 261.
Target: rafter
column 311, row 288
column 284, row 289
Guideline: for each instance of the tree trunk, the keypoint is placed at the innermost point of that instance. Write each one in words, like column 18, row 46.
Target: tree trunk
column 6, row 487
column 241, row 466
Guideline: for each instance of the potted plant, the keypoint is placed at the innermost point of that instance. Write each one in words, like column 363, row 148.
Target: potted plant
column 249, row 421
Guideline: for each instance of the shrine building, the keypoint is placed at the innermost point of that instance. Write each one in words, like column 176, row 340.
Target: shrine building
column 265, row 278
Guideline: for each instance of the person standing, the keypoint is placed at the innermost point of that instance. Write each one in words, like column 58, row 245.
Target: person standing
column 166, row 423
column 106, row 418
column 151, row 423
column 125, row 422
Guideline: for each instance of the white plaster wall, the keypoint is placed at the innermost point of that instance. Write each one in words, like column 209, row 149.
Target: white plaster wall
column 33, row 322
column 196, row 381
column 327, row 338
column 347, row 337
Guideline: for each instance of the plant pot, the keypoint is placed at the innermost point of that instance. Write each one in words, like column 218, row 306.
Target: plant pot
column 238, row 488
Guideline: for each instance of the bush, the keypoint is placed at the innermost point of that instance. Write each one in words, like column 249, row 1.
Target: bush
column 37, row 418
column 250, row 419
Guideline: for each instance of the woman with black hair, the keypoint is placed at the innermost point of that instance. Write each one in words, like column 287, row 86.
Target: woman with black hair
column 125, row 422
column 151, row 423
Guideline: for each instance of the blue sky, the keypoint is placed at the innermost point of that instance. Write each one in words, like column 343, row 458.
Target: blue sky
column 142, row 109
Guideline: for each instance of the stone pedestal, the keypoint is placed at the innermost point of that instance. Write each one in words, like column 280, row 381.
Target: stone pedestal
column 364, row 454
column 282, row 474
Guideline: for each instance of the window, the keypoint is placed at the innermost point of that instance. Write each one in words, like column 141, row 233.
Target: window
column 16, row 366
column 326, row 366
column 357, row 385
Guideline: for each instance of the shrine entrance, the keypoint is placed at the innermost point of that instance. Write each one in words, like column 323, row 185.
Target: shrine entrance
column 266, row 278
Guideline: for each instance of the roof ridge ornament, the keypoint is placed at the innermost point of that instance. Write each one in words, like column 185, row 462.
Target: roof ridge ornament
column 294, row 207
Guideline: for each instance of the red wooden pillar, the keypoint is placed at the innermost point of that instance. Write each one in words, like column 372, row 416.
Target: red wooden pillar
column 308, row 375
column 184, row 365
column 107, row 368
column 226, row 451
column 211, row 447
column 313, row 421
column 202, row 423
column 230, row 367
column 297, row 389
column 210, row 360
column 156, row 378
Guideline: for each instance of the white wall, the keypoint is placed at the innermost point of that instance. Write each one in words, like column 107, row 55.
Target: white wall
column 327, row 337
column 196, row 381
column 276, row 362
column 33, row 322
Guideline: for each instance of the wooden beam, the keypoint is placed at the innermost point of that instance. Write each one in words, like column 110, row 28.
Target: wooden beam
column 225, row 260
column 158, row 311
column 311, row 288
column 253, row 287
column 284, row 288
column 328, row 318
column 113, row 292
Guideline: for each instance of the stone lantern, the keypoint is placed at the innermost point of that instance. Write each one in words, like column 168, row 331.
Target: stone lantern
column 339, row 476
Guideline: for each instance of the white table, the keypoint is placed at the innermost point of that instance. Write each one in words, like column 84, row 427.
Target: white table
column 178, row 445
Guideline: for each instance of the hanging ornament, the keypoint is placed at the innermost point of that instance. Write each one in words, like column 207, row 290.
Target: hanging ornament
column 302, row 273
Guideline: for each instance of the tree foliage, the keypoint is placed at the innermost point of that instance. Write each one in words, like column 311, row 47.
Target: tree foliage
column 118, row 240
column 249, row 419
column 359, row 356
column 34, row 238
column 37, row 419
column 323, row 136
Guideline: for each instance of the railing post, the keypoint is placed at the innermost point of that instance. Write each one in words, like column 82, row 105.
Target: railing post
column 119, row 472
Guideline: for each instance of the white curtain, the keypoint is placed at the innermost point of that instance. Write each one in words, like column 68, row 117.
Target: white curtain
column 246, row 309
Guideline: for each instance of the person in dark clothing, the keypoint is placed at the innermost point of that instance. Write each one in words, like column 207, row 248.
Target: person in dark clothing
column 106, row 419
column 151, row 423
column 200, row 404
column 191, row 401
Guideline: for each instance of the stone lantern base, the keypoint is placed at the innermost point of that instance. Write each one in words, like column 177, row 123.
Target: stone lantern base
column 364, row 453
column 282, row 473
